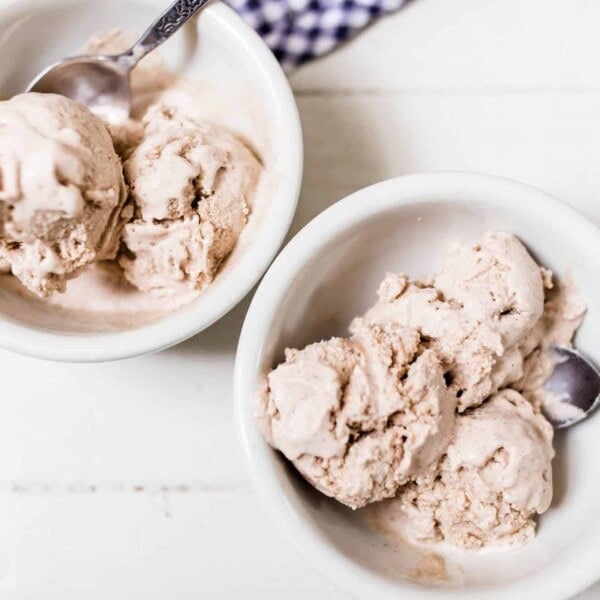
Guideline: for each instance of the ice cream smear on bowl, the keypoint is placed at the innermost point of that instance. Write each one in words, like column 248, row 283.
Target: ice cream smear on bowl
column 149, row 209
column 429, row 416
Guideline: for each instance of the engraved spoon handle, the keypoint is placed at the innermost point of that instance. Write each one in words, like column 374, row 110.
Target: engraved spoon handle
column 177, row 15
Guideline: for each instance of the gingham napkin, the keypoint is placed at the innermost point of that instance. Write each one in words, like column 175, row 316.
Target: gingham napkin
column 299, row 30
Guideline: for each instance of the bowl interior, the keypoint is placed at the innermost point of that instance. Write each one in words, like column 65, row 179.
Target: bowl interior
column 336, row 281
column 240, row 86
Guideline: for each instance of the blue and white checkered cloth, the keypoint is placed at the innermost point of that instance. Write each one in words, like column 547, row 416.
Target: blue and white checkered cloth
column 300, row 30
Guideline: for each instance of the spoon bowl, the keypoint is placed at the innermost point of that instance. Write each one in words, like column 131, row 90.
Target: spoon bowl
column 573, row 390
column 97, row 81
column 102, row 82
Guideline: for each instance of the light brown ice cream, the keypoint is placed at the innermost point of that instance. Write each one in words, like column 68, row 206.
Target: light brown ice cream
column 359, row 417
column 61, row 190
column 475, row 314
column 483, row 325
column 496, row 475
column 192, row 184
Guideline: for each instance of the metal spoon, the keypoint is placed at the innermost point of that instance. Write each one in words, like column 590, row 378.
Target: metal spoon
column 100, row 81
column 573, row 389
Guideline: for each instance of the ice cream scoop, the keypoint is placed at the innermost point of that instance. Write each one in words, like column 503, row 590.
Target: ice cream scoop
column 62, row 191
column 359, row 416
column 192, row 186
column 101, row 81
column 573, row 390
column 495, row 477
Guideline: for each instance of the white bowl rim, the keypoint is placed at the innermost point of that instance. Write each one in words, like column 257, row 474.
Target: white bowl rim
column 572, row 578
column 181, row 325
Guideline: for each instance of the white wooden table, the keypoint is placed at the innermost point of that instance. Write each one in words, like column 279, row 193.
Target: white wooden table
column 126, row 480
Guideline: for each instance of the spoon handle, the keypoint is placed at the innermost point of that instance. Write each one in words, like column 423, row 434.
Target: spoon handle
column 177, row 15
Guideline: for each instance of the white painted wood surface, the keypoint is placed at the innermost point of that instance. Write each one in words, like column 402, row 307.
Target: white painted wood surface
column 126, row 480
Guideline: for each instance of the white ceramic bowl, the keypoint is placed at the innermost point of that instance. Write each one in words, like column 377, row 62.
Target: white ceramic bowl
column 328, row 274
column 242, row 86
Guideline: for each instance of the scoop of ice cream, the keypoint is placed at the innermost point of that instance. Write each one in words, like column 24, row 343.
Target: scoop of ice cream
column 479, row 309
column 192, row 184
column 495, row 281
column 61, row 190
column 358, row 417
column 495, row 477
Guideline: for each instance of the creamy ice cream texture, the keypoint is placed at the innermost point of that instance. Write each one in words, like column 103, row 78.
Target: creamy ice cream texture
column 360, row 416
column 434, row 401
column 192, row 185
column 495, row 475
column 476, row 313
column 189, row 187
column 61, row 190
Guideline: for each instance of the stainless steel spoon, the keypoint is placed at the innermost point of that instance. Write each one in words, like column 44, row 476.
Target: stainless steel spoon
column 574, row 389
column 100, row 81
